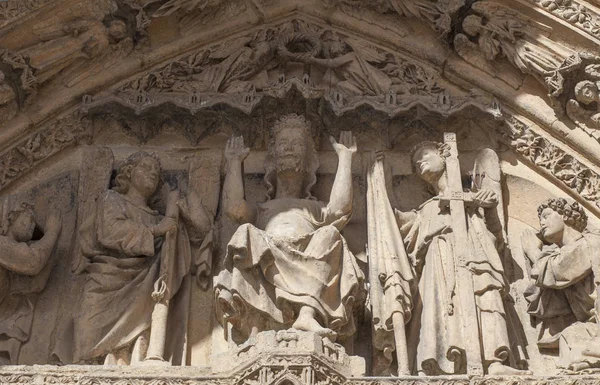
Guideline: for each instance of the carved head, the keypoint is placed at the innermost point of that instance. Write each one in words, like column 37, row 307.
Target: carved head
column 117, row 29
column 332, row 45
column 21, row 223
column 472, row 25
column 587, row 92
column 291, row 153
column 555, row 213
column 428, row 160
column 140, row 171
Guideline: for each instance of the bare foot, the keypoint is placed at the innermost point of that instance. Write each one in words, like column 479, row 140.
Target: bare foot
column 497, row 369
column 306, row 321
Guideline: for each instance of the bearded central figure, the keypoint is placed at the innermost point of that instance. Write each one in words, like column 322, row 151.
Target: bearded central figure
column 288, row 265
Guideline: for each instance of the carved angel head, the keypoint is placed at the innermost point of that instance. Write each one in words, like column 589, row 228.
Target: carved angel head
column 291, row 153
column 21, row 223
column 587, row 92
column 555, row 213
column 140, row 171
column 428, row 160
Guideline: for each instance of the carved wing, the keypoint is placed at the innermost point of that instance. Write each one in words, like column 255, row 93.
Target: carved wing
column 187, row 6
column 86, row 68
column 506, row 21
column 94, row 179
column 53, row 26
column 487, row 174
column 226, row 50
column 366, row 52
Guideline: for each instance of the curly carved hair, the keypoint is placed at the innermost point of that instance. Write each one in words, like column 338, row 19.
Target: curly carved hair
column 312, row 157
column 441, row 148
column 572, row 213
column 123, row 177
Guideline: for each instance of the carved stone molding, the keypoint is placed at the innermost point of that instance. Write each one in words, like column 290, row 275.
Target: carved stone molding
column 12, row 10
column 69, row 375
column 576, row 13
column 554, row 160
column 48, row 141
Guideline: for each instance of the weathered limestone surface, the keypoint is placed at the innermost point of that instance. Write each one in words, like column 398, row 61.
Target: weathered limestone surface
column 321, row 192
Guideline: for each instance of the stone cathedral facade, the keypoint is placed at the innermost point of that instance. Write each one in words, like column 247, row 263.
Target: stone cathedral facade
column 289, row 192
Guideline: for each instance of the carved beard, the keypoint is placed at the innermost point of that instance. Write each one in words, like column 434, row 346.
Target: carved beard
column 289, row 163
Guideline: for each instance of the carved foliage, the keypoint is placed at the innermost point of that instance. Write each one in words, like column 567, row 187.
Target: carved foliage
column 47, row 142
column 579, row 15
column 551, row 158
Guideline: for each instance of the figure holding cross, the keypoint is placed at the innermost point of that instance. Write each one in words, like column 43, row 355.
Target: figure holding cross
column 460, row 277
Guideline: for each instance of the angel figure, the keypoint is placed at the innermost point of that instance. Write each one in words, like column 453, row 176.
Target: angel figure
column 131, row 259
column 21, row 265
column 565, row 271
column 288, row 265
column 79, row 47
column 428, row 236
column 349, row 68
column 503, row 32
column 584, row 110
column 239, row 67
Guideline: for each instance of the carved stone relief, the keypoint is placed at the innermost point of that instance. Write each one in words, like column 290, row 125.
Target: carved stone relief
column 244, row 207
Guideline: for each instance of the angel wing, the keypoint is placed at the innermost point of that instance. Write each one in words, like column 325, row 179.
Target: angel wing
column 52, row 27
column 233, row 46
column 365, row 51
column 487, row 174
column 511, row 20
column 94, row 179
column 83, row 69
column 187, row 6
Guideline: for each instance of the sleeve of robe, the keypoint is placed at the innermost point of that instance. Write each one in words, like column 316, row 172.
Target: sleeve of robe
column 562, row 267
column 117, row 232
column 19, row 257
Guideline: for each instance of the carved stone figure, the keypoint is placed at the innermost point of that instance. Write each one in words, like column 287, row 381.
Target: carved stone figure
column 21, row 261
column 584, row 110
column 81, row 42
column 135, row 261
column 346, row 68
column 504, row 32
column 288, row 265
column 564, row 295
column 432, row 247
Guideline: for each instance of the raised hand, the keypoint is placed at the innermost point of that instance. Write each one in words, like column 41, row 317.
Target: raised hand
column 164, row 226
column 485, row 198
column 531, row 244
column 346, row 145
column 235, row 149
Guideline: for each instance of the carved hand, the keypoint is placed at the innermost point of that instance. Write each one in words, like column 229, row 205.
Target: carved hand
column 235, row 149
column 346, row 145
column 531, row 244
column 485, row 198
column 165, row 225
column 53, row 222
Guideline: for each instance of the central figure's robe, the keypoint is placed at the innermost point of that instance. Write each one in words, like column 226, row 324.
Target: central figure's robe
column 117, row 301
column 295, row 256
column 435, row 331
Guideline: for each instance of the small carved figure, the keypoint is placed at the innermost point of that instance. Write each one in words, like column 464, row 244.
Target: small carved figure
column 128, row 245
column 584, row 110
column 347, row 65
column 288, row 265
column 236, row 70
column 22, row 257
column 564, row 295
column 82, row 41
column 428, row 235
column 503, row 32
